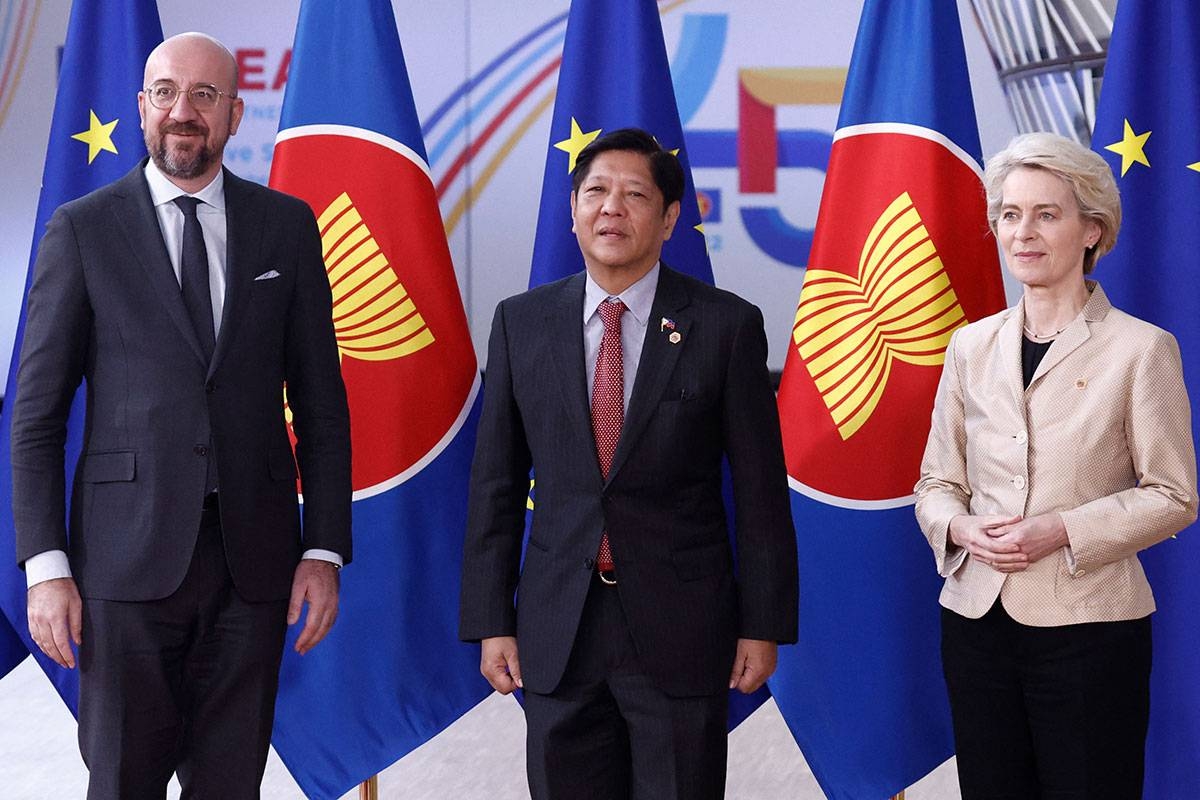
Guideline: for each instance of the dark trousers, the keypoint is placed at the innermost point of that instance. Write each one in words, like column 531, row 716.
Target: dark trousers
column 184, row 684
column 1056, row 713
column 607, row 733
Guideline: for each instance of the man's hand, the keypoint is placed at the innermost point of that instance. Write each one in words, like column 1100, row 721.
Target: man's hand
column 753, row 664
column 56, row 618
column 316, row 582
column 980, row 536
column 499, row 663
column 1036, row 537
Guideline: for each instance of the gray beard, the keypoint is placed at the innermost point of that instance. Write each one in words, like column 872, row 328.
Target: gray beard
column 190, row 167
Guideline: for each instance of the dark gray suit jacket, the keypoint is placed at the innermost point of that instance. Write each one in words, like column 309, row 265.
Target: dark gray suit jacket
column 105, row 307
column 693, row 403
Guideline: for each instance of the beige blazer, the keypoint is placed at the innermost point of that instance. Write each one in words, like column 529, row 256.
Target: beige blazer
column 1102, row 435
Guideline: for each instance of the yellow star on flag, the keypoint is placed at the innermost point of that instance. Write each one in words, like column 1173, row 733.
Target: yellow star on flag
column 1131, row 148
column 576, row 143
column 97, row 137
column 1195, row 166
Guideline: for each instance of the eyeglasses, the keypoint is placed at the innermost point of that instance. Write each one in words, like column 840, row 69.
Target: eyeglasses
column 164, row 94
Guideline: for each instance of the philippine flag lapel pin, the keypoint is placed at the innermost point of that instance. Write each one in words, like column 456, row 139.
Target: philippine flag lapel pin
column 668, row 324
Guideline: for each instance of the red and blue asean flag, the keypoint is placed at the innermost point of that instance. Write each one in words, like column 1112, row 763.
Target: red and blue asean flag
column 901, row 258
column 393, row 673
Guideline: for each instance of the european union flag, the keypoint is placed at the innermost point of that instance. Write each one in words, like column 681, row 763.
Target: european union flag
column 95, row 138
column 1147, row 128
column 392, row 673
column 615, row 74
column 900, row 259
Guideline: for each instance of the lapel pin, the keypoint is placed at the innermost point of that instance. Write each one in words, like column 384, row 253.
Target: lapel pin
column 1080, row 384
column 674, row 338
column 666, row 325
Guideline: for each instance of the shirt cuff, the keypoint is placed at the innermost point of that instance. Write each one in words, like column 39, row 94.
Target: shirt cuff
column 46, row 566
column 317, row 554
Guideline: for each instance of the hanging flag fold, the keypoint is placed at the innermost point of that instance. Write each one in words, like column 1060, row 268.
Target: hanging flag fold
column 901, row 258
column 392, row 673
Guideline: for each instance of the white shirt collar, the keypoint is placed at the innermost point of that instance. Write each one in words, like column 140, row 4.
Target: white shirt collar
column 638, row 298
column 162, row 191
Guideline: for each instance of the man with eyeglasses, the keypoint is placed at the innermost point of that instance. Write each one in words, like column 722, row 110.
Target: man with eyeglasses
column 185, row 298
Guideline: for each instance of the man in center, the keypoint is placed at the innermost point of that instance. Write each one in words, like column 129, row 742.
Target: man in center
column 624, row 388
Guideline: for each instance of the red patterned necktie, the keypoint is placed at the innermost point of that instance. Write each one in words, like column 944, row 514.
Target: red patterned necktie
column 608, row 403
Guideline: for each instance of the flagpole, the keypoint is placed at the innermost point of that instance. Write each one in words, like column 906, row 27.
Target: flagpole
column 369, row 789
column 898, row 796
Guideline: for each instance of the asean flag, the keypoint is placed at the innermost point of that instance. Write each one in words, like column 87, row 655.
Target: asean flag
column 392, row 673
column 901, row 258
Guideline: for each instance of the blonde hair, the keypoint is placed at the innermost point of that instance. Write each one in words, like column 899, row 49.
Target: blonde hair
column 1087, row 174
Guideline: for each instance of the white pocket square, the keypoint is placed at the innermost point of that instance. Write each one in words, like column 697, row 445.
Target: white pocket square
column 268, row 275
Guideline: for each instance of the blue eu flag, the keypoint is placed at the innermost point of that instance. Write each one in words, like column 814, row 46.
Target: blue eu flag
column 614, row 75
column 1147, row 128
column 95, row 138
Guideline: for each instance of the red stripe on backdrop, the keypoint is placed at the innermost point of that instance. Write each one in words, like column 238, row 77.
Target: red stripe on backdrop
column 494, row 125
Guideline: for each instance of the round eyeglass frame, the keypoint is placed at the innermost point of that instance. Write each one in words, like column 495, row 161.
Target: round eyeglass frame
column 195, row 95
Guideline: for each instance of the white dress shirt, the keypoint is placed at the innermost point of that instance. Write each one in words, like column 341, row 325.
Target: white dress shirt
column 211, row 214
column 638, row 300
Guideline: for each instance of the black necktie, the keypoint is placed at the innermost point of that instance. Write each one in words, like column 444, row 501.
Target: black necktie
column 193, row 276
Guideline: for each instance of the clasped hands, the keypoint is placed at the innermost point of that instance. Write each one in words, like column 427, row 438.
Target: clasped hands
column 1009, row 544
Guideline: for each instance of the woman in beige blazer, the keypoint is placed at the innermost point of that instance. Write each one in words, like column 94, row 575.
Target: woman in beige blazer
column 1061, row 445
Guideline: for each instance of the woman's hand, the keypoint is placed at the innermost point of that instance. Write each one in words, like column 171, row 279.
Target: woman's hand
column 979, row 535
column 1036, row 537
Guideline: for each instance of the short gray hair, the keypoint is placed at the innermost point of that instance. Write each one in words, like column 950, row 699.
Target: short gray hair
column 1087, row 174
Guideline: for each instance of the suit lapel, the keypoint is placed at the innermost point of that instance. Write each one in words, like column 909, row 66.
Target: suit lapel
column 659, row 355
column 138, row 223
column 564, row 325
column 244, row 221
column 1075, row 334
column 1011, row 334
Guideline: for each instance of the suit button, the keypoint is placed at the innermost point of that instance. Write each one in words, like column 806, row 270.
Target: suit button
column 588, row 563
column 1022, row 437
column 1019, row 481
column 200, row 450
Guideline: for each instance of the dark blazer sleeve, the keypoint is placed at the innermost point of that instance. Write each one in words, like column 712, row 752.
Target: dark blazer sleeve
column 317, row 397
column 768, row 585
column 58, row 321
column 496, row 504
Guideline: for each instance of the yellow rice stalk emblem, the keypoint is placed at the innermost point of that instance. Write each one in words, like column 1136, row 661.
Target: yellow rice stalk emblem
column 373, row 316
column 849, row 331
